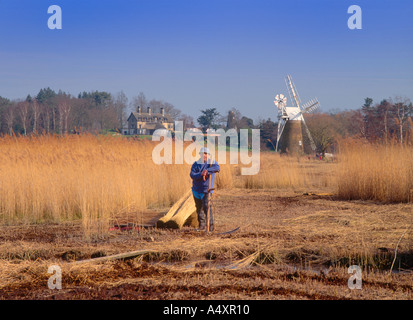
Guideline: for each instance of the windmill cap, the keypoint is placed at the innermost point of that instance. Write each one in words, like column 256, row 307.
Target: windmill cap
column 204, row 150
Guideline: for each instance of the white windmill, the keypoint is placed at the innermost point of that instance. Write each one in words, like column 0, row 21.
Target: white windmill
column 294, row 113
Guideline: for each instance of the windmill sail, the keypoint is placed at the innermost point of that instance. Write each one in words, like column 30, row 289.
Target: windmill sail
column 313, row 146
column 292, row 90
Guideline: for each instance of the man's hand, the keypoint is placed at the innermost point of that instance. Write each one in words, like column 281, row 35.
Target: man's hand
column 204, row 175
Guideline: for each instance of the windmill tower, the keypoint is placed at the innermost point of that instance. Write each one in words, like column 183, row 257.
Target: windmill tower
column 291, row 121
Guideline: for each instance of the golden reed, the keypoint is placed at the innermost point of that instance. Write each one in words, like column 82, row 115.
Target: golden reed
column 62, row 178
column 380, row 172
column 279, row 171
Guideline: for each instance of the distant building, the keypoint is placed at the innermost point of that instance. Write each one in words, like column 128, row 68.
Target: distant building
column 147, row 122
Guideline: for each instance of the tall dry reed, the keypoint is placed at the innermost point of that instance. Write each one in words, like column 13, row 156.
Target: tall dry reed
column 381, row 172
column 279, row 171
column 92, row 178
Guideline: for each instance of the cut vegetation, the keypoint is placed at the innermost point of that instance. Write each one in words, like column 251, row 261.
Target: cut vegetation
column 300, row 228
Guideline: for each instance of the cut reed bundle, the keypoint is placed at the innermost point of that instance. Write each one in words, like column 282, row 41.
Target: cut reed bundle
column 180, row 212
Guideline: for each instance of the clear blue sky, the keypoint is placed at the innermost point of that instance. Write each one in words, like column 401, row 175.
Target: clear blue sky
column 199, row 54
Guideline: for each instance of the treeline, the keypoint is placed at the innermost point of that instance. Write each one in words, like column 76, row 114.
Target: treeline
column 51, row 112
column 99, row 111
column 390, row 120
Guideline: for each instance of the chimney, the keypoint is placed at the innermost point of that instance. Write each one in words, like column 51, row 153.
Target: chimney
column 139, row 109
column 149, row 110
column 163, row 112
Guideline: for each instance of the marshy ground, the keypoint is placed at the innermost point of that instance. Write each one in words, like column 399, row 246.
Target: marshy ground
column 292, row 244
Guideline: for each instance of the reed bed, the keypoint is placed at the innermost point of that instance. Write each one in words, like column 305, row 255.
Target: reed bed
column 380, row 172
column 52, row 178
column 279, row 171
column 95, row 178
column 57, row 178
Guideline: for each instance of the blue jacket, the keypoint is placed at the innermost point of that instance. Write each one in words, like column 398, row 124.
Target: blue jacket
column 198, row 184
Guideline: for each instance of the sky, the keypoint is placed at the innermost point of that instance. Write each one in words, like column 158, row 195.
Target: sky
column 198, row 54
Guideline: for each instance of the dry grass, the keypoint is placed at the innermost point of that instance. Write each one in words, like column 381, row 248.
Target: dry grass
column 290, row 172
column 52, row 179
column 291, row 244
column 375, row 172
column 295, row 249
column 93, row 178
column 96, row 179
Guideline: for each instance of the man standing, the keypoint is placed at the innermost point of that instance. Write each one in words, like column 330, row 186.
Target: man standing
column 203, row 175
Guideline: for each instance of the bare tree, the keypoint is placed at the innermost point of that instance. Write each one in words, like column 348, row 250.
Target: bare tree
column 234, row 119
column 80, row 115
column 171, row 110
column 156, row 106
column 357, row 125
column 139, row 101
column 47, row 118
column 23, row 111
column 188, row 121
column 64, row 106
column 384, row 108
column 402, row 110
column 322, row 127
column 9, row 117
column 36, row 113
column 120, row 104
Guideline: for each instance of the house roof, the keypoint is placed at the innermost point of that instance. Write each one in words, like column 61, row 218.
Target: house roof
column 151, row 116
